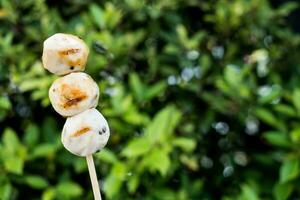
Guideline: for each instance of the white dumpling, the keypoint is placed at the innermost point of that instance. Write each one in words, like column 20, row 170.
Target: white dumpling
column 64, row 53
column 85, row 133
column 73, row 94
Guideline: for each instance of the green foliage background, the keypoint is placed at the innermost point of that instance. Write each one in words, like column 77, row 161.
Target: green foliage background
column 202, row 97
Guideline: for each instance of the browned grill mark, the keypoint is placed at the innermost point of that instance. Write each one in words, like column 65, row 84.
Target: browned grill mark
column 68, row 52
column 74, row 63
column 72, row 102
column 71, row 95
column 81, row 131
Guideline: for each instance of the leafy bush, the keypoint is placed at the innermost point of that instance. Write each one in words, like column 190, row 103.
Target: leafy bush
column 203, row 99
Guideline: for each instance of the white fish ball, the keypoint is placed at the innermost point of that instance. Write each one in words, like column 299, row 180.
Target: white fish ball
column 64, row 53
column 73, row 94
column 85, row 133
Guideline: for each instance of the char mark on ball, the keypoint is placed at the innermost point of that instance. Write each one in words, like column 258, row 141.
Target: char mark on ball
column 68, row 52
column 81, row 131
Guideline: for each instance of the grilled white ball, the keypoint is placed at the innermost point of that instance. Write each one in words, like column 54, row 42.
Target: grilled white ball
column 64, row 53
column 85, row 133
column 73, row 94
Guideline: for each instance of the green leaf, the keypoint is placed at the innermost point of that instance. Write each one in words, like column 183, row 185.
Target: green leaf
column 182, row 34
column 249, row 193
column 295, row 135
column 112, row 185
column 79, row 165
column 232, row 75
column 277, row 139
column 190, row 161
column 49, row 194
column 14, row 165
column 289, row 170
column 157, row 160
column 97, row 15
column 133, row 183
column 69, row 189
column 283, row 191
column 296, row 99
column 43, row 150
column 285, row 109
column 4, row 103
column 36, row 182
column 186, row 144
column 112, row 15
column 136, row 86
column 10, row 140
column 6, row 191
column 163, row 124
column 163, row 193
column 31, row 136
column 137, row 147
column 155, row 90
column 287, row 8
column 107, row 156
column 266, row 116
column 273, row 95
column 114, row 181
column 135, row 117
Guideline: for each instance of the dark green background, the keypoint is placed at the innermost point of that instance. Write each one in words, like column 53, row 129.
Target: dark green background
column 202, row 98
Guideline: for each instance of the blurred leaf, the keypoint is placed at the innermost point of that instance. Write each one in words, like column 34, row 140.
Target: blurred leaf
column 137, row 147
column 2, row 13
column 31, row 136
column 80, row 165
column 274, row 94
column 133, row 183
column 69, row 189
column 14, row 165
column 186, row 144
column 190, row 161
column 277, row 139
column 115, row 179
column 249, row 193
column 296, row 99
column 182, row 33
column 6, row 191
column 36, row 182
column 289, row 170
column 163, row 193
column 5, row 103
column 163, row 124
column 49, row 194
column 10, row 141
column 107, row 156
column 155, row 90
column 266, row 116
column 287, row 8
column 43, row 150
column 283, row 191
column 97, row 15
column 232, row 75
column 112, row 15
column 157, row 159
column 285, row 109
column 295, row 134
column 137, row 86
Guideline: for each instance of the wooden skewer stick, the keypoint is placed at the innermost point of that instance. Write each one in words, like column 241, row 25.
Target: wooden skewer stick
column 93, row 176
